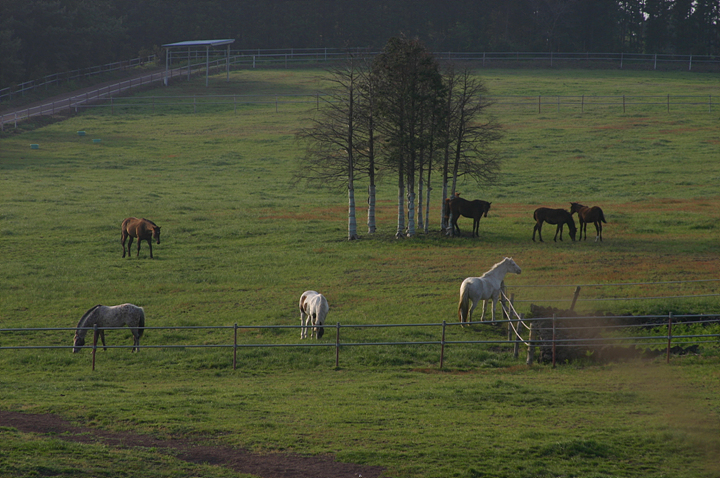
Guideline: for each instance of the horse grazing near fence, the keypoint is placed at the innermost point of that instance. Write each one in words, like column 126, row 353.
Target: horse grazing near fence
column 462, row 207
column 588, row 214
column 143, row 230
column 313, row 311
column 475, row 289
column 111, row 316
column 553, row 216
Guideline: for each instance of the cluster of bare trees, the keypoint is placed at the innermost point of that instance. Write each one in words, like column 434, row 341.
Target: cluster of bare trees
column 401, row 113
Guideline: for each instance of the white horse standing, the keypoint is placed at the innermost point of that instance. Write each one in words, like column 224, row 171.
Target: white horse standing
column 313, row 310
column 475, row 289
column 111, row 316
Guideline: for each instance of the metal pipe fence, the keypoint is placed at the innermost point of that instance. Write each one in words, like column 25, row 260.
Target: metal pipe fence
column 648, row 335
column 67, row 76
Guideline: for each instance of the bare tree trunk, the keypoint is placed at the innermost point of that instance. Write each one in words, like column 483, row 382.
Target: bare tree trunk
column 371, row 209
column 352, row 224
column 401, row 200
column 427, row 205
column 411, row 213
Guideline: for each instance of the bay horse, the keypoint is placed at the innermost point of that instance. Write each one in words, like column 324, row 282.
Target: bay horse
column 486, row 287
column 142, row 229
column 553, row 216
column 111, row 316
column 462, row 207
column 313, row 311
column 589, row 214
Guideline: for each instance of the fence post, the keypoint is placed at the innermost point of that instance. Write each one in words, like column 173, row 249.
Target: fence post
column 531, row 346
column 667, row 355
column 554, row 355
column 516, row 346
column 235, row 349
column 538, row 104
column 337, row 347
column 690, row 64
column 509, row 331
column 575, row 297
column 442, row 346
column 95, row 337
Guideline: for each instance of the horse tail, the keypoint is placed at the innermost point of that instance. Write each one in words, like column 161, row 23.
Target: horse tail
column 141, row 323
column 463, row 304
column 602, row 216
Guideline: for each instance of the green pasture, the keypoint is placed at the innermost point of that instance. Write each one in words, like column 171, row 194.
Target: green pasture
column 241, row 241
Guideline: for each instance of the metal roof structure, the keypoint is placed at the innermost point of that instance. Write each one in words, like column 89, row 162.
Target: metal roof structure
column 190, row 44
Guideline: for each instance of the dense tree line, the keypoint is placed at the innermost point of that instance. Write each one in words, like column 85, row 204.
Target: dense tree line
column 39, row 37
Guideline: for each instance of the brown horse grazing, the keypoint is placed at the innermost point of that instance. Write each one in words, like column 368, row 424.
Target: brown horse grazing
column 462, row 207
column 143, row 230
column 553, row 216
column 588, row 214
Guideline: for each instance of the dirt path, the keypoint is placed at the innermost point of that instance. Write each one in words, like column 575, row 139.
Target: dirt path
column 272, row 465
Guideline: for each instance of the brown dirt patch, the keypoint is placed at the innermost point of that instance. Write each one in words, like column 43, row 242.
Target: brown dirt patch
column 272, row 465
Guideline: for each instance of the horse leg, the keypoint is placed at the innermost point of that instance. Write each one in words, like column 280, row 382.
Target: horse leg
column 598, row 230
column 130, row 241
column 476, row 227
column 484, row 306
column 303, row 329
column 558, row 230
column 136, row 340
column 495, row 298
column 538, row 228
column 313, row 329
column 150, row 246
column 123, row 238
column 101, row 333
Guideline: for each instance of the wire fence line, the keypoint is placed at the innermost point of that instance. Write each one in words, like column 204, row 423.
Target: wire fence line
column 110, row 100
column 644, row 324
column 254, row 57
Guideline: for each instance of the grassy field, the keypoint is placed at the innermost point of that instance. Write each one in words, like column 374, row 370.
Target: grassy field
column 240, row 243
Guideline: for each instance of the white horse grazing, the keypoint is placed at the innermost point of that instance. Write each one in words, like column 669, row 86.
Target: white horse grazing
column 475, row 289
column 313, row 310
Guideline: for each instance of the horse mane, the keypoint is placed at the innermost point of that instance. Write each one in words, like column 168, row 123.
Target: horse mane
column 87, row 314
column 148, row 220
column 492, row 269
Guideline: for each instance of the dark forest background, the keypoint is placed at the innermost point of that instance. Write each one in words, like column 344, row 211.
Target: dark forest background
column 40, row 37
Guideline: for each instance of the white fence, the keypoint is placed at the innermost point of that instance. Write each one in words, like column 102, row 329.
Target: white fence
column 57, row 78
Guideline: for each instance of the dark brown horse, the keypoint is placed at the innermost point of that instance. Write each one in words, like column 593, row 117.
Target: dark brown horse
column 553, row 216
column 462, row 207
column 143, row 230
column 588, row 214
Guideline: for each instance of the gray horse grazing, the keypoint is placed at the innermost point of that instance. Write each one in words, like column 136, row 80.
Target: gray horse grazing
column 111, row 316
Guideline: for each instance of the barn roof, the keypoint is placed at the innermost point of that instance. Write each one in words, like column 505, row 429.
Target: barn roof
column 205, row 43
